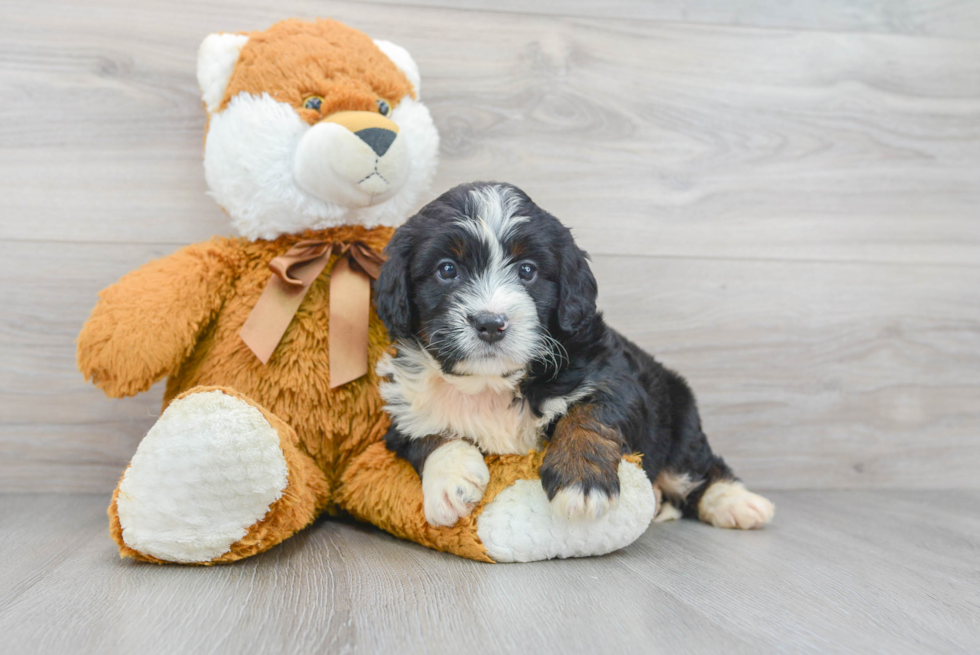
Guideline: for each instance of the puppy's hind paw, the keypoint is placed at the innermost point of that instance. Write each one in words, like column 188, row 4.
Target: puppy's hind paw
column 728, row 504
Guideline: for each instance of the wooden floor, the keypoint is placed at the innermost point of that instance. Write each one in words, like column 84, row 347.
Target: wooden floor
column 838, row 572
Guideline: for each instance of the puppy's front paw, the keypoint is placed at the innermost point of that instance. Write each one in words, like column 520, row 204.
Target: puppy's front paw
column 580, row 487
column 580, row 471
column 575, row 503
column 453, row 481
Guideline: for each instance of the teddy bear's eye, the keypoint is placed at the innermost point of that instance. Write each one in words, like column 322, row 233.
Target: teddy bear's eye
column 313, row 102
column 383, row 107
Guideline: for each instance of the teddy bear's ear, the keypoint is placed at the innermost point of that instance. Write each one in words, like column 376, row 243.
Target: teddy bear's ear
column 400, row 57
column 216, row 61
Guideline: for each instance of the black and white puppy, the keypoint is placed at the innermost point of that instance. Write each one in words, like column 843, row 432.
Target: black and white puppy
column 492, row 307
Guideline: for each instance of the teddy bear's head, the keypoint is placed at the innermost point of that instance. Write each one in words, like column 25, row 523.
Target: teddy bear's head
column 313, row 125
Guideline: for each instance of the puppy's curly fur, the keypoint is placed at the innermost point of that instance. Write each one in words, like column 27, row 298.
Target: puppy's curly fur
column 499, row 343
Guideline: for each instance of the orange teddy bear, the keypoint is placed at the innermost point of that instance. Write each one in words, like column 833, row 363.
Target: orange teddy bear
column 317, row 146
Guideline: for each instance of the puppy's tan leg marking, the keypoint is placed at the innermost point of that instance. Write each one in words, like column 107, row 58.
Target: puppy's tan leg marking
column 728, row 504
column 453, row 481
column 580, row 469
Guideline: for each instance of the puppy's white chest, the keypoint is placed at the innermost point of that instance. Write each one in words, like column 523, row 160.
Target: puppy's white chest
column 496, row 421
column 423, row 402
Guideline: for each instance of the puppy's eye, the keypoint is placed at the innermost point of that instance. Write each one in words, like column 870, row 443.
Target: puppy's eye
column 313, row 102
column 447, row 271
column 527, row 271
column 383, row 107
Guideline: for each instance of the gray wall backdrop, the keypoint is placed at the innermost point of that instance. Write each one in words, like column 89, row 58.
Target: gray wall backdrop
column 782, row 201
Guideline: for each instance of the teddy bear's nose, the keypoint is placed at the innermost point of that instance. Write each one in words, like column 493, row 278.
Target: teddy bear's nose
column 372, row 128
column 378, row 138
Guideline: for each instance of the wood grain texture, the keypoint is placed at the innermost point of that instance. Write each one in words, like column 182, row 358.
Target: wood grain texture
column 694, row 140
column 951, row 18
column 789, row 217
column 808, row 375
column 838, row 572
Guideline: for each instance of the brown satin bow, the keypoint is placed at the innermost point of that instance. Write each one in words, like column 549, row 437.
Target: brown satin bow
column 350, row 302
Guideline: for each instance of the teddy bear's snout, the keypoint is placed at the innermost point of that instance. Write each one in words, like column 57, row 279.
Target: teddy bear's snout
column 353, row 158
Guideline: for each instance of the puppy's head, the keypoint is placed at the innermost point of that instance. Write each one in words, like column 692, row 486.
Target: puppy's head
column 486, row 281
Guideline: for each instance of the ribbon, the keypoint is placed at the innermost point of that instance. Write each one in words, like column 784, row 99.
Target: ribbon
column 350, row 302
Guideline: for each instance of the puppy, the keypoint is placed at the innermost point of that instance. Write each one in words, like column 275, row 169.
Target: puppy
column 492, row 307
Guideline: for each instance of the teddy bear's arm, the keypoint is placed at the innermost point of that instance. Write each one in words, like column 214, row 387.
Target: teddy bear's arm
column 147, row 323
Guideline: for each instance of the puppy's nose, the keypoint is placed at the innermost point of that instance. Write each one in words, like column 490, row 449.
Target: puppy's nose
column 489, row 327
column 378, row 138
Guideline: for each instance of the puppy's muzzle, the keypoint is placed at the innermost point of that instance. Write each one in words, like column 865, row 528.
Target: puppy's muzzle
column 491, row 328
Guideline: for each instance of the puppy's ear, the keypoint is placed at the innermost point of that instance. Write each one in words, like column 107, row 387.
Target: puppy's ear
column 391, row 291
column 577, row 289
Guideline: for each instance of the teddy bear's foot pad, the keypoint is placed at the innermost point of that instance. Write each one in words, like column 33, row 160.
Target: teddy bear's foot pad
column 520, row 525
column 205, row 472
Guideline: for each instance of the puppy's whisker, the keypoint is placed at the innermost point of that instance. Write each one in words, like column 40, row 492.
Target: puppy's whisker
column 551, row 352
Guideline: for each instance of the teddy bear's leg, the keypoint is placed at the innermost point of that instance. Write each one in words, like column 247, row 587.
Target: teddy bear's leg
column 514, row 522
column 216, row 479
column 520, row 524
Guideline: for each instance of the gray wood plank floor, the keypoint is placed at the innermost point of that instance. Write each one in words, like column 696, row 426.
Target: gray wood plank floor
column 838, row 572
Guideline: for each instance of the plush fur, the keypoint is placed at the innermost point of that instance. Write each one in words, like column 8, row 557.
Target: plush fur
column 263, row 138
column 246, row 454
column 197, row 435
column 500, row 345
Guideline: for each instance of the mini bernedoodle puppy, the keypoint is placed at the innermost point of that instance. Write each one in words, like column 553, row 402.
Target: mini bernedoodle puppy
column 492, row 307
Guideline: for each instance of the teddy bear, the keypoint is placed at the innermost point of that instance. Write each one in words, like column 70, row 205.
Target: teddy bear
column 317, row 145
